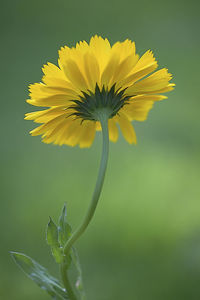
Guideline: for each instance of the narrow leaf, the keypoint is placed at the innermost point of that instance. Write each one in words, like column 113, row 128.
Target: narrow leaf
column 52, row 234
column 40, row 276
column 64, row 229
column 52, row 240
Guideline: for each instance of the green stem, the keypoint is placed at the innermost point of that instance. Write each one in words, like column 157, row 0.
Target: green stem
column 103, row 118
column 66, row 282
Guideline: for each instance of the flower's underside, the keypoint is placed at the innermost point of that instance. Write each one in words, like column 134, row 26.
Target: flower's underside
column 90, row 77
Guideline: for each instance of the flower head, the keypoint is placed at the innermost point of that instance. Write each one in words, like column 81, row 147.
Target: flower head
column 91, row 78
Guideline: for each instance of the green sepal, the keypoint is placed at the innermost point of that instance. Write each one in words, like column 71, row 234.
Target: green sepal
column 40, row 276
column 79, row 280
column 91, row 102
column 64, row 229
column 52, row 241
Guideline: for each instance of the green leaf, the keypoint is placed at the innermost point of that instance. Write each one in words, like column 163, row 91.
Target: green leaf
column 52, row 240
column 52, row 234
column 79, row 280
column 40, row 276
column 64, row 229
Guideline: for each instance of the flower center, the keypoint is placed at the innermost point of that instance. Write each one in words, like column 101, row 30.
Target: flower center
column 91, row 103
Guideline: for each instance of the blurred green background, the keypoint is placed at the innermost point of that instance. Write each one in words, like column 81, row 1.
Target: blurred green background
column 144, row 242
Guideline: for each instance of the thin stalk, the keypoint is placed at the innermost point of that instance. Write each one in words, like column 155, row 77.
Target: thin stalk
column 103, row 118
column 66, row 282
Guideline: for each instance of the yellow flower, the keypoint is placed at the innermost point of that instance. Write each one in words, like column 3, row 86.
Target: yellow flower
column 91, row 77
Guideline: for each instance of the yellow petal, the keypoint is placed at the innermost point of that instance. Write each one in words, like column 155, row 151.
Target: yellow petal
column 168, row 88
column 54, row 76
column 137, row 110
column 82, row 46
column 47, row 126
column 87, row 135
column 125, row 49
column 124, row 69
column 101, row 49
column 73, row 133
column 146, row 59
column 155, row 82
column 54, row 135
column 40, row 90
column 65, row 132
column 113, row 130
column 74, row 74
column 145, row 65
column 54, row 100
column 51, row 70
column 127, row 129
column 148, row 98
column 45, row 115
column 75, row 54
column 110, row 70
column 98, row 126
column 92, row 71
